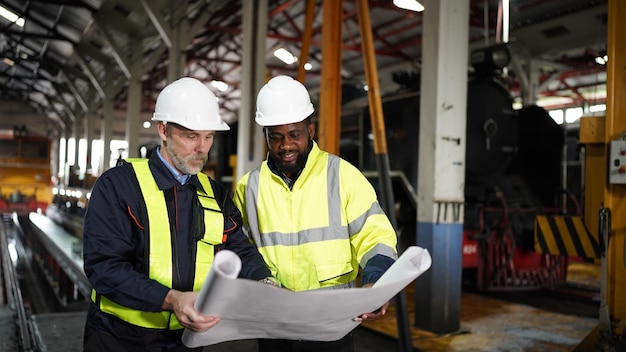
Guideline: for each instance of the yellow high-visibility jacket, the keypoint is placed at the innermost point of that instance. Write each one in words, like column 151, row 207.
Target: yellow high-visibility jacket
column 160, row 261
column 318, row 233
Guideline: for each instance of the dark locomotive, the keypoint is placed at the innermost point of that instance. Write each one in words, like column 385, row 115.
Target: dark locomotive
column 513, row 174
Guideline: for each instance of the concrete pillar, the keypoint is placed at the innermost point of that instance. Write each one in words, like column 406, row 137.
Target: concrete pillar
column 176, row 56
column 133, row 117
column 54, row 157
column 441, row 167
column 133, row 113
column 250, row 142
column 71, row 171
column 106, row 130
column 89, row 136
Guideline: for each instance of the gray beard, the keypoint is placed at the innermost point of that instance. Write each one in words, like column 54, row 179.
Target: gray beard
column 182, row 164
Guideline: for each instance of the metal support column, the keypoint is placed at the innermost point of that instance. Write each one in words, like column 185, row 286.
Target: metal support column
column 330, row 84
column 615, row 194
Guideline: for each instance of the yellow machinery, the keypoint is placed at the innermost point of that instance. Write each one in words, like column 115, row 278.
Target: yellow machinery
column 605, row 141
column 25, row 182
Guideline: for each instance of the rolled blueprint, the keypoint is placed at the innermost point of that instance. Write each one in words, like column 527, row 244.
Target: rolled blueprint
column 249, row 309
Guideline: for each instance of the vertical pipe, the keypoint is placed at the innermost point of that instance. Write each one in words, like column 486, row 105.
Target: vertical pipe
column 371, row 75
column 604, row 235
column 380, row 149
column 499, row 23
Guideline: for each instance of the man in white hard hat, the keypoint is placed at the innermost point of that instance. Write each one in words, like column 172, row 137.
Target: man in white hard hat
column 313, row 216
column 152, row 228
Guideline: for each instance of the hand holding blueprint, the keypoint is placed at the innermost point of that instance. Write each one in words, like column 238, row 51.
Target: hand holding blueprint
column 249, row 309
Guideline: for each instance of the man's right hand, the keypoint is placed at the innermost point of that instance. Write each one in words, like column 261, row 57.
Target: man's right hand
column 182, row 305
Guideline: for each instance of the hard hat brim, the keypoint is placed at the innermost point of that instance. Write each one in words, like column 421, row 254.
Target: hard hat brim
column 284, row 119
column 221, row 126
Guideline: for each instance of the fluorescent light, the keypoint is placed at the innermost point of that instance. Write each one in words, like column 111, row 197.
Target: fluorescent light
column 285, row 56
column 11, row 17
column 412, row 5
column 220, row 85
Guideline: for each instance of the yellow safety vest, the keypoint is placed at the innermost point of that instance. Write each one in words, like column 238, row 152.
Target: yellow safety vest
column 160, row 259
column 318, row 233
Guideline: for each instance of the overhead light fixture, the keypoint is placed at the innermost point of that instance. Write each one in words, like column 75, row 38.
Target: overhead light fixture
column 308, row 66
column 146, row 124
column 11, row 17
column 219, row 85
column 285, row 56
column 412, row 5
column 602, row 60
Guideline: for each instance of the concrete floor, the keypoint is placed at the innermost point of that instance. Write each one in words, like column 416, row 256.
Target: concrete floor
column 487, row 325
column 490, row 324
column 63, row 333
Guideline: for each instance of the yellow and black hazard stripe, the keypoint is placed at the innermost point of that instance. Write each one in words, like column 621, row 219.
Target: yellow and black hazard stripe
column 565, row 235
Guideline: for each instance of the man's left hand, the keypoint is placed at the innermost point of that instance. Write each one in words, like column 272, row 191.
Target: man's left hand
column 377, row 314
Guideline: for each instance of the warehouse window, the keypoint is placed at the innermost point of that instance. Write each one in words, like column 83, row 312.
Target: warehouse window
column 118, row 148
column 557, row 116
column 573, row 114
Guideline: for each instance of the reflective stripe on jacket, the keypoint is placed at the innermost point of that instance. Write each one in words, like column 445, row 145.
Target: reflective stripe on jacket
column 318, row 233
column 160, row 249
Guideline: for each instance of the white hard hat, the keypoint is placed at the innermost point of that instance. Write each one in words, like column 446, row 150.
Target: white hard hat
column 281, row 101
column 191, row 104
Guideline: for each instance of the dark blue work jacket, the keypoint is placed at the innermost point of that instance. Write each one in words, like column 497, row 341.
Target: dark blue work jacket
column 114, row 243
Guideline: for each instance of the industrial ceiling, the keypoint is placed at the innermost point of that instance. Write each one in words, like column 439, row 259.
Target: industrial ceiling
column 70, row 54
